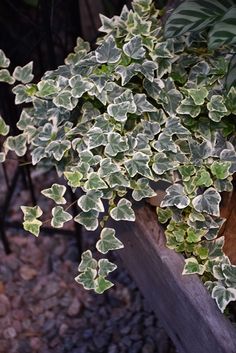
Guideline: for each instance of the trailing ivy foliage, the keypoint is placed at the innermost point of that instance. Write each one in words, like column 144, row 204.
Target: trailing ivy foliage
column 137, row 110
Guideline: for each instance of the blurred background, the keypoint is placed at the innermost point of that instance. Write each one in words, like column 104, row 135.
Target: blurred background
column 42, row 309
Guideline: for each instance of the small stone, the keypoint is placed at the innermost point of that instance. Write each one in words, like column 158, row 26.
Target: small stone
column 9, row 333
column 27, row 273
column 62, row 330
column 4, row 305
column 35, row 343
column 74, row 308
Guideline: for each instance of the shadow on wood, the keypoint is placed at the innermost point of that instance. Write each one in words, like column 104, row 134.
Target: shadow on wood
column 188, row 313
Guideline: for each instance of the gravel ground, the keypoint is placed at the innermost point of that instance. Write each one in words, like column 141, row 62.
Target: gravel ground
column 43, row 310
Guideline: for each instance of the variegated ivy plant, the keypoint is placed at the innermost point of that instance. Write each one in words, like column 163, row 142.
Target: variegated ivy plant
column 138, row 109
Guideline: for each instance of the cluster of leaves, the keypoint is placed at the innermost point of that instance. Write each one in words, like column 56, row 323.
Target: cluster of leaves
column 137, row 110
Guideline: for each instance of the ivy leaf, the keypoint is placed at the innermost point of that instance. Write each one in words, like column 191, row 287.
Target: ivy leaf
column 58, row 148
column 116, row 144
column 186, row 171
column 108, row 52
column 59, row 217
column 21, row 95
column 4, row 128
column 87, row 278
column 134, row 48
column 105, row 267
column 88, row 219
column 119, row 111
column 192, row 266
column 199, row 152
column 117, row 179
column 16, row 144
column 203, row 178
column 31, row 213
column 163, row 214
column 47, row 88
column 56, row 193
column 198, row 95
column 229, row 272
column 32, row 226
column 88, row 157
column 208, row 202
column 96, row 137
column 174, row 127
column 87, row 261
column 142, row 104
column 107, row 167
column 94, row 182
column 162, row 163
column 175, row 196
column 220, row 169
column 4, row 61
column 108, row 241
column 2, row 157
column 139, row 165
column 142, row 190
column 65, row 100
column 102, row 284
column 73, row 178
column 229, row 156
column 5, row 76
column 24, row 74
column 164, row 143
column 123, row 211
column 216, row 107
column 91, row 201
column 79, row 86
column 223, row 296
column 188, row 107
column 126, row 73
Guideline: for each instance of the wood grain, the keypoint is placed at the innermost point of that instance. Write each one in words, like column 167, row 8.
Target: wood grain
column 188, row 313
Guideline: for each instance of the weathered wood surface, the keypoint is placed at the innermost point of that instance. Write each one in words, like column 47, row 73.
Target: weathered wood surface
column 189, row 315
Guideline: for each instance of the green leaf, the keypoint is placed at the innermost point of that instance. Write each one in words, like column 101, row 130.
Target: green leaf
column 208, row 202
column 175, row 196
column 21, row 95
column 162, row 163
column 88, row 219
column 4, row 61
column 24, row 74
column 31, row 213
column 87, row 261
column 87, row 278
column 188, row 107
column 174, row 127
column 94, row 182
column 192, row 266
column 123, row 211
column 142, row 190
column 139, row 165
column 223, row 296
column 134, row 48
column 47, row 88
column 33, row 226
column 65, row 100
column 96, row 137
column 16, row 144
column 58, row 148
column 203, row 178
column 186, row 171
column 5, row 76
column 117, row 179
column 198, row 95
column 163, row 214
column 73, row 178
column 107, row 167
column 224, row 30
column 105, row 267
column 194, row 15
column 91, row 201
column 108, row 241
column 142, row 104
column 116, row 144
column 56, row 193
column 102, row 284
column 199, row 151
column 220, row 169
column 194, row 236
column 4, row 128
column 108, row 52
column 119, row 111
column 59, row 217
column 79, row 86
column 217, row 108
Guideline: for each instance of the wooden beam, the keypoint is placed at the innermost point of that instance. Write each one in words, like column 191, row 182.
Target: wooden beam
column 183, row 305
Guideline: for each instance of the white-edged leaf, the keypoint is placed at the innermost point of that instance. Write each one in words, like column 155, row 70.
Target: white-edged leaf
column 108, row 52
column 56, row 193
column 108, row 241
column 59, row 217
column 175, row 196
column 24, row 74
column 208, row 202
column 88, row 219
column 123, row 211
